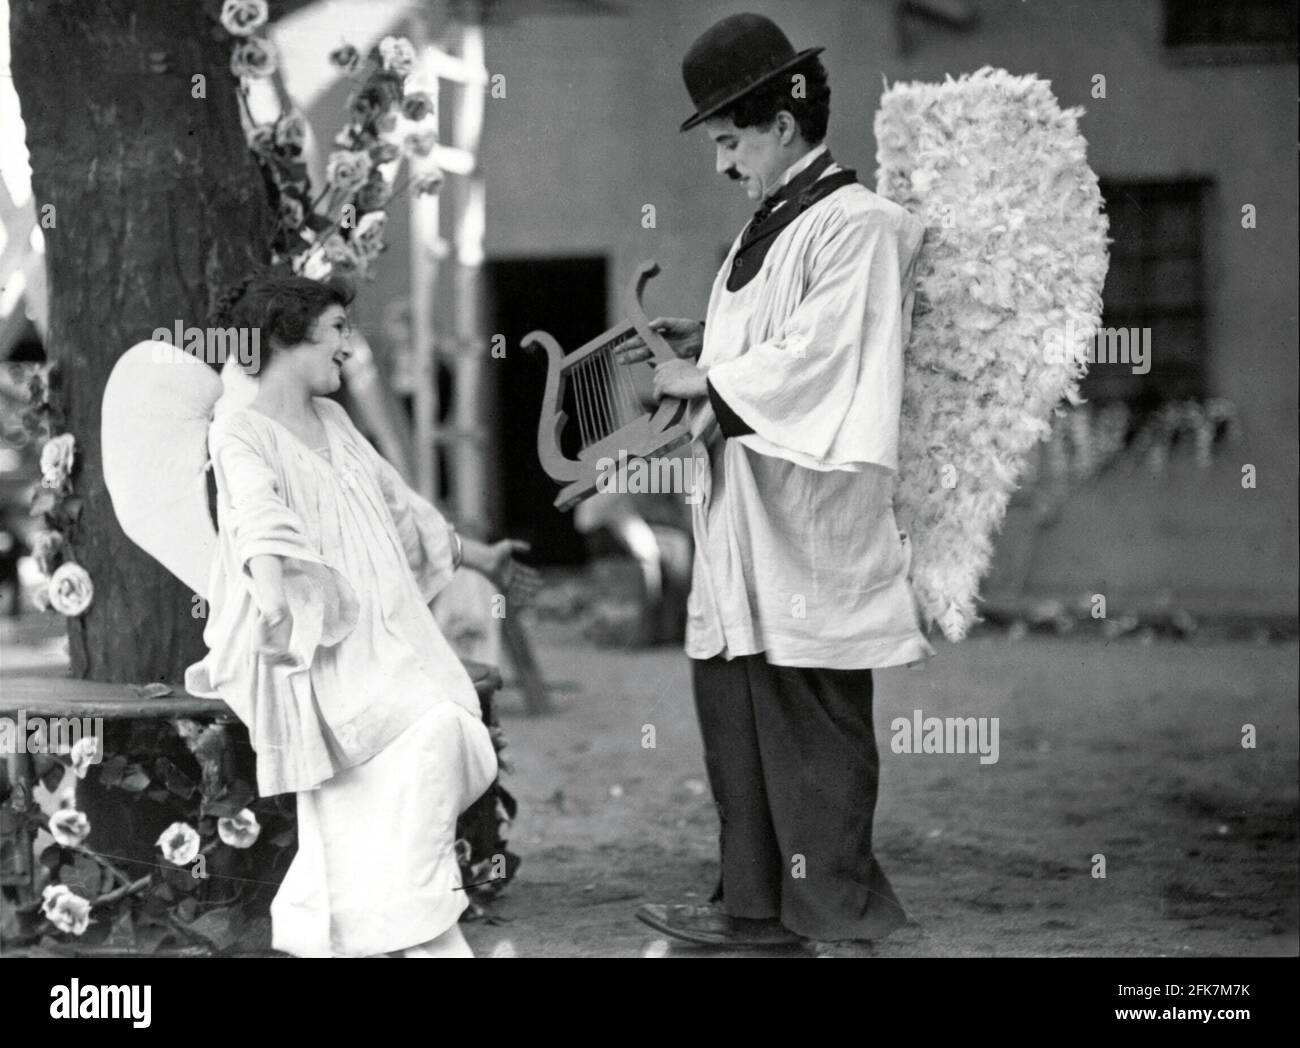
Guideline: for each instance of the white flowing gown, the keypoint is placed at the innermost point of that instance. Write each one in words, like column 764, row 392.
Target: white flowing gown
column 376, row 727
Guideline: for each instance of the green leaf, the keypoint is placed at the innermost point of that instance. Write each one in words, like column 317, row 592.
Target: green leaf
column 177, row 781
column 230, row 801
column 10, row 920
column 285, row 838
column 135, row 780
column 112, row 770
column 82, row 875
column 256, row 935
column 182, row 880
column 72, row 508
column 53, row 856
column 218, row 927
column 152, row 936
column 187, row 908
column 123, row 931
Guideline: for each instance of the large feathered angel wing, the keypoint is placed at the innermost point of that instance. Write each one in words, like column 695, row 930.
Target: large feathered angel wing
column 158, row 403
column 1013, row 265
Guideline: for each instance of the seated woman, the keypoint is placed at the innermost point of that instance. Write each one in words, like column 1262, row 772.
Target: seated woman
column 322, row 641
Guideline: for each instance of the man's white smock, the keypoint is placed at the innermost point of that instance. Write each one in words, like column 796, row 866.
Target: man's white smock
column 797, row 554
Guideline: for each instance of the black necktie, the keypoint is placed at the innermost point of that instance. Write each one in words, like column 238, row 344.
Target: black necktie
column 797, row 195
column 793, row 188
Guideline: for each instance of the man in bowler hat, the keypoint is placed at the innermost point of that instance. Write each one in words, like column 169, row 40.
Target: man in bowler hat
column 800, row 580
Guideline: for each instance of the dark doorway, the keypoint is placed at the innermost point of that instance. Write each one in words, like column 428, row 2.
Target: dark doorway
column 566, row 297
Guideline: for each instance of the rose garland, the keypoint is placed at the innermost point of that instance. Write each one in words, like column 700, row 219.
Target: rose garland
column 221, row 856
column 341, row 229
column 209, row 888
column 69, row 589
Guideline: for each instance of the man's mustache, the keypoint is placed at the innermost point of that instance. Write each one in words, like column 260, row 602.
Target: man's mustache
column 732, row 174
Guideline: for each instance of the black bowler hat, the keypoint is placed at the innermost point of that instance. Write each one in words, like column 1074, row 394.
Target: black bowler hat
column 732, row 58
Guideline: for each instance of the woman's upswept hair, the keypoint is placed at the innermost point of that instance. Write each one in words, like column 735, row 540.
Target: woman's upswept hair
column 810, row 105
column 282, row 306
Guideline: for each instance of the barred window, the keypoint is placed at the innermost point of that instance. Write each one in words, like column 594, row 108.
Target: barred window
column 1216, row 31
column 1156, row 284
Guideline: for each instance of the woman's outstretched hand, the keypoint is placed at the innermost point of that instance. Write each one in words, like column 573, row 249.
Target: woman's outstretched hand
column 519, row 582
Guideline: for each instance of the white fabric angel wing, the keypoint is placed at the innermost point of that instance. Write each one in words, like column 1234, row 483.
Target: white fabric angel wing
column 157, row 405
column 1013, row 265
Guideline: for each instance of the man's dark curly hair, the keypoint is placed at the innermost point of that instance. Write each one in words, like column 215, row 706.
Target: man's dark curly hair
column 812, row 111
column 283, row 307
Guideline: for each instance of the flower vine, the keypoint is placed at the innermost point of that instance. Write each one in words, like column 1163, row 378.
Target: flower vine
column 339, row 230
column 69, row 589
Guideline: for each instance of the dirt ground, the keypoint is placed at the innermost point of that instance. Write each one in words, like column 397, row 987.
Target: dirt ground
column 1126, row 749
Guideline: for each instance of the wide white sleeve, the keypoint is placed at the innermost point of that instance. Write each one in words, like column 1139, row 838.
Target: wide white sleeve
column 256, row 520
column 424, row 532
column 795, row 389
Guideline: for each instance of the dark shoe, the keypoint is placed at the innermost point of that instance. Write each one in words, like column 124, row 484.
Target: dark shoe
column 838, row 948
column 709, row 925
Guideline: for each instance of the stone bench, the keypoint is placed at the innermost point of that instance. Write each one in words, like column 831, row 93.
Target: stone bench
column 123, row 826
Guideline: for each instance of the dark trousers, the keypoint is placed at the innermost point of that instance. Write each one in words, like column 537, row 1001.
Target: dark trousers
column 791, row 757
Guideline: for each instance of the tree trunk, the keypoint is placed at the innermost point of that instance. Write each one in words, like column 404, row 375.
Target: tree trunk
column 158, row 205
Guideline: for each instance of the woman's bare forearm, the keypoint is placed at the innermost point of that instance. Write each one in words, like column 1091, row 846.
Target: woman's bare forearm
column 267, row 572
column 476, row 556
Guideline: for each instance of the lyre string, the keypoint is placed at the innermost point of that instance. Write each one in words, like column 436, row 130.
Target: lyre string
column 593, row 397
column 584, row 407
column 604, row 396
column 598, row 398
column 631, row 408
column 575, row 375
column 606, row 390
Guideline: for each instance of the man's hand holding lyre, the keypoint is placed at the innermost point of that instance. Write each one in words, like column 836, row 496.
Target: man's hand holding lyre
column 679, row 378
column 685, row 337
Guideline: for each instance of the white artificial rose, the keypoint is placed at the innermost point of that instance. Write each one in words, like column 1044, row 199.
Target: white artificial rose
column 397, row 54
column 69, row 827
column 316, row 266
column 46, row 547
column 341, row 256
column 291, row 132
column 70, row 590
column 86, row 751
column 179, row 843
column 65, row 909
column 56, row 460
column 369, row 235
column 243, row 17
column 347, row 169
column 253, row 57
column 239, row 831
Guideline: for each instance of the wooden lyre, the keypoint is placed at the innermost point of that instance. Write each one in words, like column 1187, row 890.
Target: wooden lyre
column 610, row 418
